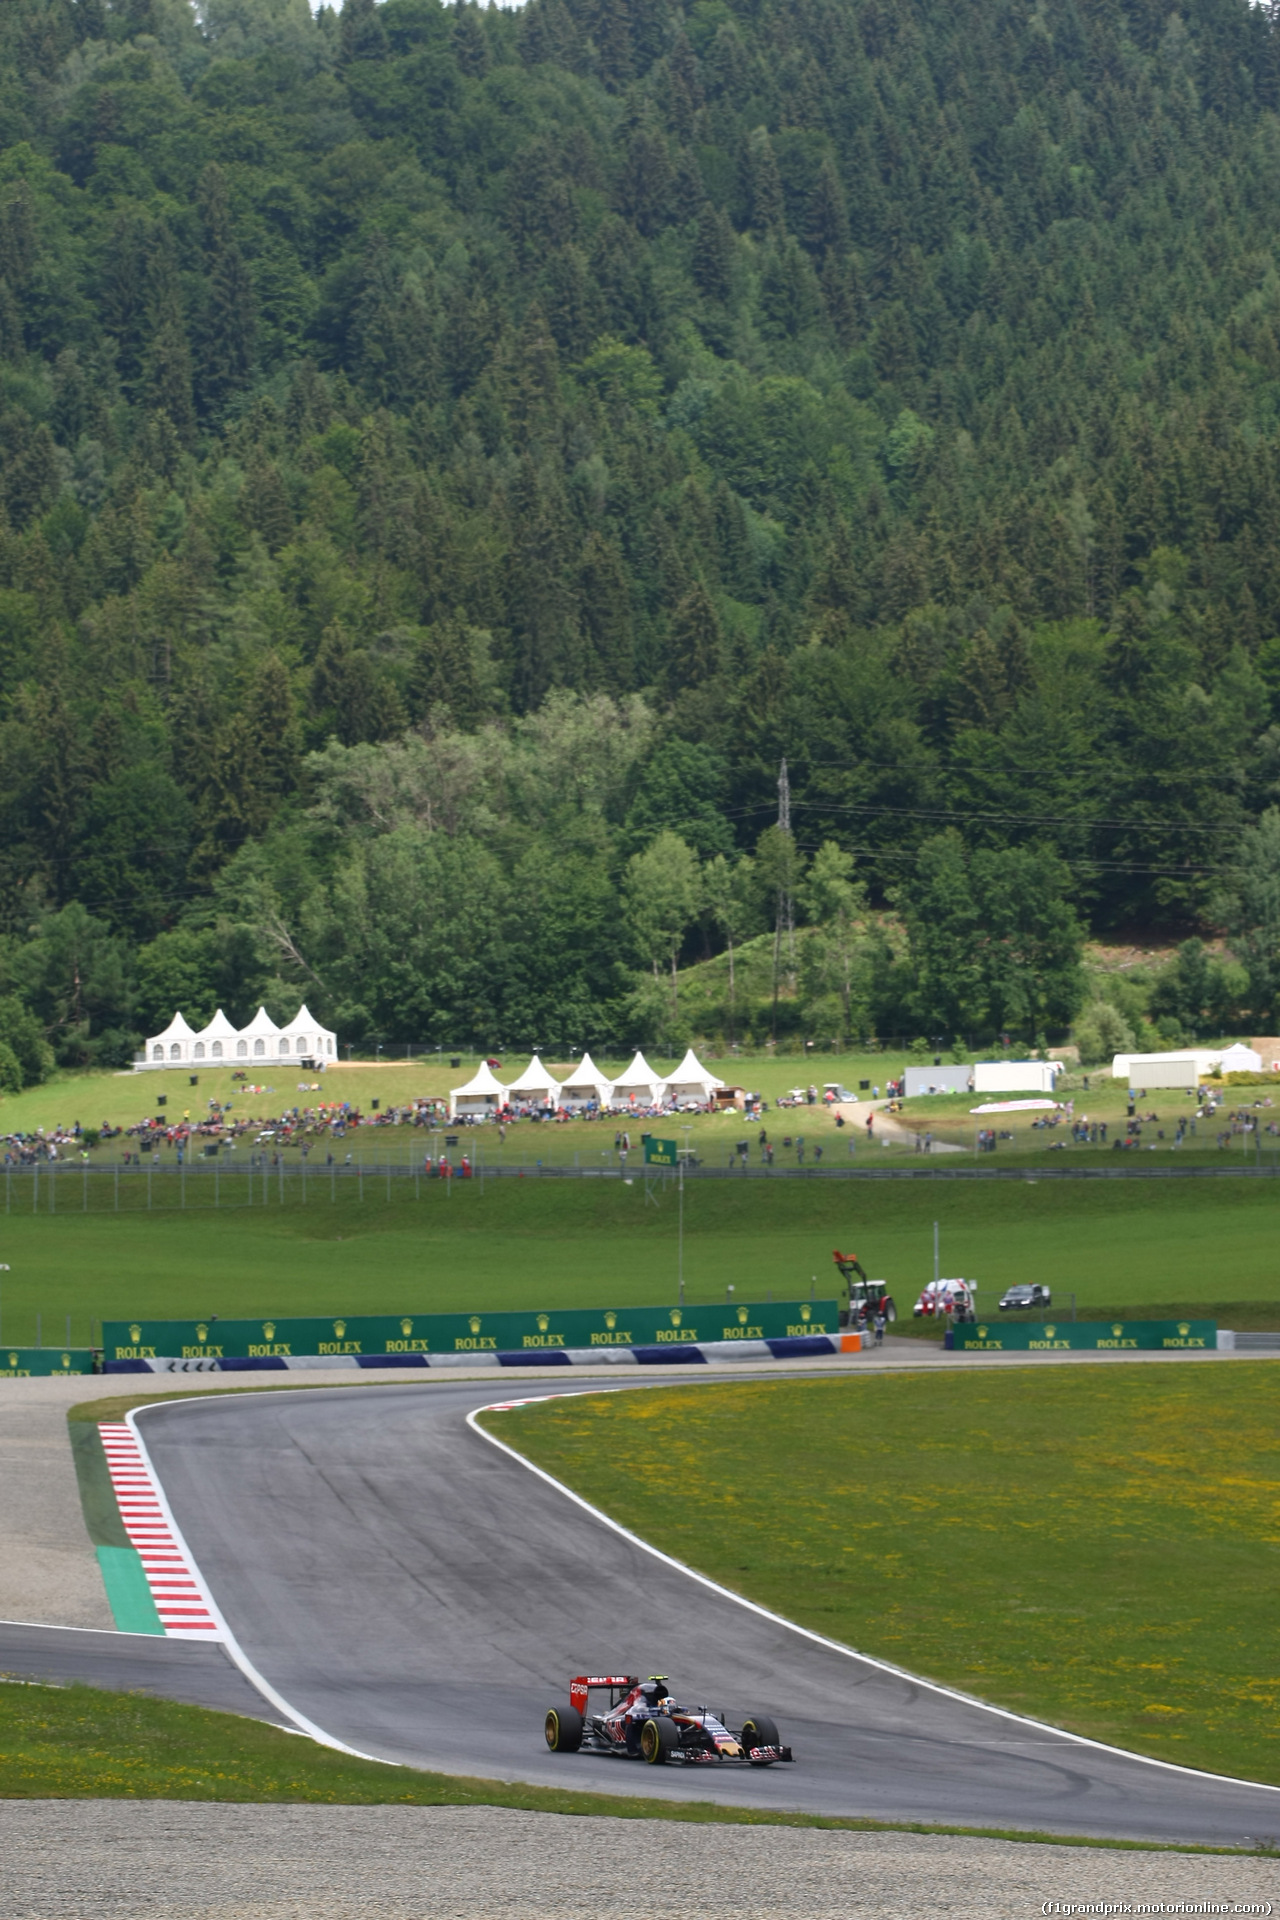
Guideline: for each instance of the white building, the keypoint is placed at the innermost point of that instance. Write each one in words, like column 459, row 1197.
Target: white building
column 1015, row 1076
column 261, row 1043
column 1185, row 1068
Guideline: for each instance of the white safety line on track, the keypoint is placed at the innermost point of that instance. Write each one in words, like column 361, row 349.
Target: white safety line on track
column 324, row 1739
column 224, row 1633
column 820, row 1639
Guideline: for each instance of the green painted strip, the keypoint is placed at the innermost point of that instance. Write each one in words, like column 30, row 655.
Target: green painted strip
column 132, row 1608
column 97, row 1495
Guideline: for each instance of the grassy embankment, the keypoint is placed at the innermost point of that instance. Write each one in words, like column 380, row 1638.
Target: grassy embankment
column 1129, row 1247
column 127, row 1099
column 122, row 1099
column 75, row 1743
column 1092, row 1547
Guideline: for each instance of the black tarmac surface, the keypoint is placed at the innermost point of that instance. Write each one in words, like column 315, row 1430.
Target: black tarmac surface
column 422, row 1597
column 187, row 1670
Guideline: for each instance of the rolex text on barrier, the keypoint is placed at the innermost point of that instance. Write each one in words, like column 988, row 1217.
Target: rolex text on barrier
column 368, row 1336
column 1098, row 1336
column 20, row 1363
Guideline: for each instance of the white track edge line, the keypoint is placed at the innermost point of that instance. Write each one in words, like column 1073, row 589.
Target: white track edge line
column 837, row 1646
column 228, row 1639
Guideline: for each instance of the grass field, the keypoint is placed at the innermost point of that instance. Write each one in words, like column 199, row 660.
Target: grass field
column 1096, row 1547
column 75, row 1743
column 122, row 1099
column 1124, row 1245
column 126, row 1099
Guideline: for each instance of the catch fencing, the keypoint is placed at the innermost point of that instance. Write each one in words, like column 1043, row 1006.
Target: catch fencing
column 60, row 1188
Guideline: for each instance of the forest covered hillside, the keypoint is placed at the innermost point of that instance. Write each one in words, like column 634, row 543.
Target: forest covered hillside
column 450, row 458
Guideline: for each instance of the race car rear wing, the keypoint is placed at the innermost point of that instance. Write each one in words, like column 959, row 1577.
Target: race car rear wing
column 619, row 1685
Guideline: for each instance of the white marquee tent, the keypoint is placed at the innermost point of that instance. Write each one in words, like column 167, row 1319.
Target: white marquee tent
column 304, row 1038
column 483, row 1094
column 535, row 1087
column 639, row 1085
column 1240, row 1059
column 217, row 1041
column 692, row 1081
column 172, row 1048
column 221, row 1044
column 586, row 1084
column 260, row 1040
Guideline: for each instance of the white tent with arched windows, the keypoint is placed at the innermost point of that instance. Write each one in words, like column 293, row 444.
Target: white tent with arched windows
column 219, row 1044
column 215, row 1043
column 305, row 1039
column 260, row 1039
column 172, row 1048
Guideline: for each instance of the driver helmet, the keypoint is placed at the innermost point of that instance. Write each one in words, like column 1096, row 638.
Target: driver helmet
column 656, row 1690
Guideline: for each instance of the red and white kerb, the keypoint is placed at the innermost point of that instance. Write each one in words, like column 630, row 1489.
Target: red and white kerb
column 179, row 1598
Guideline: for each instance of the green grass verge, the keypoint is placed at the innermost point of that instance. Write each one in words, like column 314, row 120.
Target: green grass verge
column 522, row 1244
column 78, row 1743
column 1097, row 1547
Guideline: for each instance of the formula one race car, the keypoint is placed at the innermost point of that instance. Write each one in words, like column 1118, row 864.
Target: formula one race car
column 643, row 1722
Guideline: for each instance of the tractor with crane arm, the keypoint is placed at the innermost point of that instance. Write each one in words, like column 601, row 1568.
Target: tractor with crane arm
column 867, row 1298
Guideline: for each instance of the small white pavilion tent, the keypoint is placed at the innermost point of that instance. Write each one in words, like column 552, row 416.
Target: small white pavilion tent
column 692, row 1081
column 483, row 1094
column 586, row 1084
column 217, row 1041
column 639, row 1085
column 535, row 1087
column 259, row 1040
column 305, row 1039
column 172, row 1048
column 1240, row 1059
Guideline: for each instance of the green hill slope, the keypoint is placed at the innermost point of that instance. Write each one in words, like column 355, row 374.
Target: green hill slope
column 442, row 449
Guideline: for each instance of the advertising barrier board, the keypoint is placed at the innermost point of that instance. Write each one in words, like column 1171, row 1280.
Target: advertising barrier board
column 370, row 1334
column 20, row 1363
column 1098, row 1336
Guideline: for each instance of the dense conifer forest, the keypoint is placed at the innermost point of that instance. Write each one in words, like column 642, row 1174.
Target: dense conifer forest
column 449, row 458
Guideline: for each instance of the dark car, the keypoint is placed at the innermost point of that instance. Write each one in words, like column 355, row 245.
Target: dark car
column 1016, row 1298
column 643, row 1722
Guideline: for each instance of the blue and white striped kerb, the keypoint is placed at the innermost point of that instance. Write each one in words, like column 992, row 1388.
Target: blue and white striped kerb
column 707, row 1353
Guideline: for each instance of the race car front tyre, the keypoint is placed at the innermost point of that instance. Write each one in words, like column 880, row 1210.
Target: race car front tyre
column 563, row 1728
column 760, row 1731
column 658, row 1739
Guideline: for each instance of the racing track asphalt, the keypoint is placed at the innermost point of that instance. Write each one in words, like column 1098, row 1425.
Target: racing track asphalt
column 423, row 1597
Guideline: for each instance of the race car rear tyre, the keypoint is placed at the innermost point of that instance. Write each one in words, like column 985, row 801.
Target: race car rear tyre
column 658, row 1739
column 760, row 1731
column 563, row 1728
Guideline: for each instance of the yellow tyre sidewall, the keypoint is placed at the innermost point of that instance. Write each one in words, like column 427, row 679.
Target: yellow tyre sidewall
column 650, row 1742
column 552, row 1729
